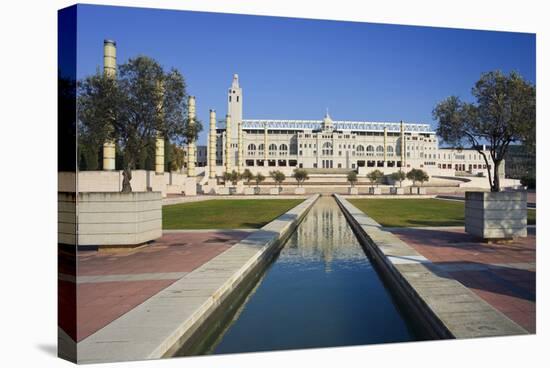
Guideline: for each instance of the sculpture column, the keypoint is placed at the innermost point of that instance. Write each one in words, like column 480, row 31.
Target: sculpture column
column 240, row 149
column 212, row 146
column 385, row 146
column 191, row 145
column 402, row 144
column 109, row 70
column 228, row 150
column 265, row 144
column 159, row 142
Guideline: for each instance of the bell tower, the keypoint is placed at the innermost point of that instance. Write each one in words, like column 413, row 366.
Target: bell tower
column 235, row 106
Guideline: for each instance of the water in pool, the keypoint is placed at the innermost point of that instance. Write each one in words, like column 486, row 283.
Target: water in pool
column 321, row 291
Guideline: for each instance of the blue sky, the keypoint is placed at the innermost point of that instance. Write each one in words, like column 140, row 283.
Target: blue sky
column 296, row 68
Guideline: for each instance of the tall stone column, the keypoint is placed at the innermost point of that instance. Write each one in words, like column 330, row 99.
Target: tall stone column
column 191, row 148
column 228, row 150
column 109, row 70
column 265, row 144
column 159, row 154
column 159, row 142
column 212, row 146
column 402, row 144
column 385, row 147
column 240, row 148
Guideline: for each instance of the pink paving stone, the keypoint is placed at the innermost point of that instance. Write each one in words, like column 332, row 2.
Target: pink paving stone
column 510, row 290
column 100, row 303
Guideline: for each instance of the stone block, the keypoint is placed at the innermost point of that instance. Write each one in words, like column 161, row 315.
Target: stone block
column 110, row 219
column 274, row 191
column 496, row 215
column 249, row 191
column 300, row 190
column 353, row 190
column 222, row 190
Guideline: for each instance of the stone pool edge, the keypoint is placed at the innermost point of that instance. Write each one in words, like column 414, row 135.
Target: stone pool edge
column 443, row 307
column 159, row 326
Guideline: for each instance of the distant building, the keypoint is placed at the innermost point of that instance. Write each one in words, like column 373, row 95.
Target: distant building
column 334, row 144
column 520, row 162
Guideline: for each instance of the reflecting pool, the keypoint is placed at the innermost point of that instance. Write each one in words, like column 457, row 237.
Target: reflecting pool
column 321, row 291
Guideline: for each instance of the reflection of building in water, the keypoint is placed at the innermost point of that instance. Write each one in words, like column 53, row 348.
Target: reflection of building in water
column 325, row 235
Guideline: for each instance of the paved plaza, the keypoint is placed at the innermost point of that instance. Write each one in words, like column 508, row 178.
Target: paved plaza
column 111, row 284
column 503, row 274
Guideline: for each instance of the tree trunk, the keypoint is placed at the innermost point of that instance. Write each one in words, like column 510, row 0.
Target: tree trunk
column 127, row 176
column 496, row 177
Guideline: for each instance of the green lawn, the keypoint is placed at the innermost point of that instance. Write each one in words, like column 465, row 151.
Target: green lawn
column 417, row 212
column 225, row 213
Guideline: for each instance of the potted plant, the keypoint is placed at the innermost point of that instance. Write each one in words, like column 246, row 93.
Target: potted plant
column 258, row 179
column 278, row 177
column 352, row 179
column 417, row 175
column 374, row 178
column 300, row 175
column 398, row 176
column 503, row 113
column 248, row 177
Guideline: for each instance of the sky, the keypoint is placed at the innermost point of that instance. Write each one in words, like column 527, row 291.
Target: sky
column 297, row 68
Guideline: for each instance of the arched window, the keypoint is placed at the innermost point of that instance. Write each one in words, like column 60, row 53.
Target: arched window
column 327, row 149
column 380, row 151
column 251, row 149
column 261, row 147
column 389, row 151
column 272, row 149
column 370, row 150
column 283, row 149
column 360, row 150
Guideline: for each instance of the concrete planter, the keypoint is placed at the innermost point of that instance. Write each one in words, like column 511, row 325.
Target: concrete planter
column 249, row 191
column 421, row 190
column 274, row 191
column 375, row 190
column 110, row 219
column 496, row 215
column 353, row 191
column 300, row 190
column 222, row 190
column 395, row 190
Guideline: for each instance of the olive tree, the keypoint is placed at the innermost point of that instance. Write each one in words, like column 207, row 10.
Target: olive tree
column 248, row 176
column 278, row 177
column 300, row 175
column 375, row 176
column 352, row 178
column 258, row 179
column 417, row 175
column 504, row 112
column 143, row 102
column 398, row 176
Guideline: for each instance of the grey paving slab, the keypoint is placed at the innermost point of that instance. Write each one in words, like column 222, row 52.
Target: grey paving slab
column 429, row 289
column 153, row 328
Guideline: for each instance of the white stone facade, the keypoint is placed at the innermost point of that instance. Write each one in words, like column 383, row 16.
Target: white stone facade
column 267, row 145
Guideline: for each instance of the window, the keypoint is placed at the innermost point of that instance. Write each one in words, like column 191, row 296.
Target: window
column 251, row 149
column 370, row 150
column 229, row 98
column 237, row 98
column 360, row 150
column 379, row 151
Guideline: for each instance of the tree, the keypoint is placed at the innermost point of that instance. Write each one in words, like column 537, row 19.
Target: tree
column 258, row 179
column 248, row 176
column 232, row 177
column 375, row 176
column 300, row 175
column 417, row 175
column 352, row 178
column 398, row 176
column 132, row 109
column 504, row 112
column 278, row 177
